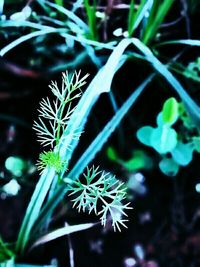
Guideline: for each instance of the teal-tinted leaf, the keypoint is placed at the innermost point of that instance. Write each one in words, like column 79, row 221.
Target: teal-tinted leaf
column 169, row 167
column 66, row 230
column 11, row 188
column 196, row 141
column 183, row 153
column 144, row 135
column 163, row 139
column 159, row 119
column 15, row 165
column 170, row 111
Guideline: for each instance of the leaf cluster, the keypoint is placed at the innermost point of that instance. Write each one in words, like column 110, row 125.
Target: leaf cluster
column 103, row 194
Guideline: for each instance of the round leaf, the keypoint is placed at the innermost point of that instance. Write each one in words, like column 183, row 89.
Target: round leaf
column 183, row 153
column 170, row 111
column 169, row 167
column 111, row 154
column 144, row 135
column 15, row 165
column 163, row 139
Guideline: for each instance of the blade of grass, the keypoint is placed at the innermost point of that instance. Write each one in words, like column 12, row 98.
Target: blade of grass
column 100, row 84
column 91, row 18
column 135, row 18
column 33, row 209
column 71, row 15
column 183, row 42
column 159, row 12
column 49, row 30
column 103, row 136
column 191, row 106
column 24, row 38
column 66, row 230
column 1, row 6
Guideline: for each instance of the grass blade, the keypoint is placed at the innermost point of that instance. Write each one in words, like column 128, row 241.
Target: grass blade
column 159, row 13
column 24, row 38
column 191, row 106
column 69, row 14
column 134, row 19
column 100, row 84
column 33, row 209
column 92, row 21
column 183, row 42
column 103, row 136
column 66, row 230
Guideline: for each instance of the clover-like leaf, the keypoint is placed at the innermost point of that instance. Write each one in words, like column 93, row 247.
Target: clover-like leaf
column 163, row 139
column 183, row 153
column 144, row 135
column 169, row 167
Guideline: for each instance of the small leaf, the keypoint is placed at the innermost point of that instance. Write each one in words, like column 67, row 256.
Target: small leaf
column 159, row 119
column 111, row 154
column 12, row 188
column 138, row 161
column 170, row 111
column 144, row 135
column 163, row 139
column 15, row 165
column 169, row 167
column 196, row 141
column 183, row 153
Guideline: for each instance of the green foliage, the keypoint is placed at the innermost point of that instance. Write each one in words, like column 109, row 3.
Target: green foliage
column 193, row 70
column 92, row 19
column 164, row 139
column 111, row 154
column 5, row 252
column 101, row 187
column 50, row 159
column 65, row 144
column 139, row 160
column 170, row 111
column 54, row 117
column 156, row 17
column 135, row 17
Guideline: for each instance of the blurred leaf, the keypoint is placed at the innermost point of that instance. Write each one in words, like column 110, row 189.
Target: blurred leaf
column 22, row 15
column 183, row 153
column 144, row 135
column 12, row 188
column 170, row 111
column 159, row 119
column 169, row 167
column 196, row 141
column 163, row 139
column 138, row 161
column 5, row 253
column 15, row 165
column 111, row 154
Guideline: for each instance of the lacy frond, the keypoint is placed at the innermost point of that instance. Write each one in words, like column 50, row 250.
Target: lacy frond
column 54, row 115
column 101, row 187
